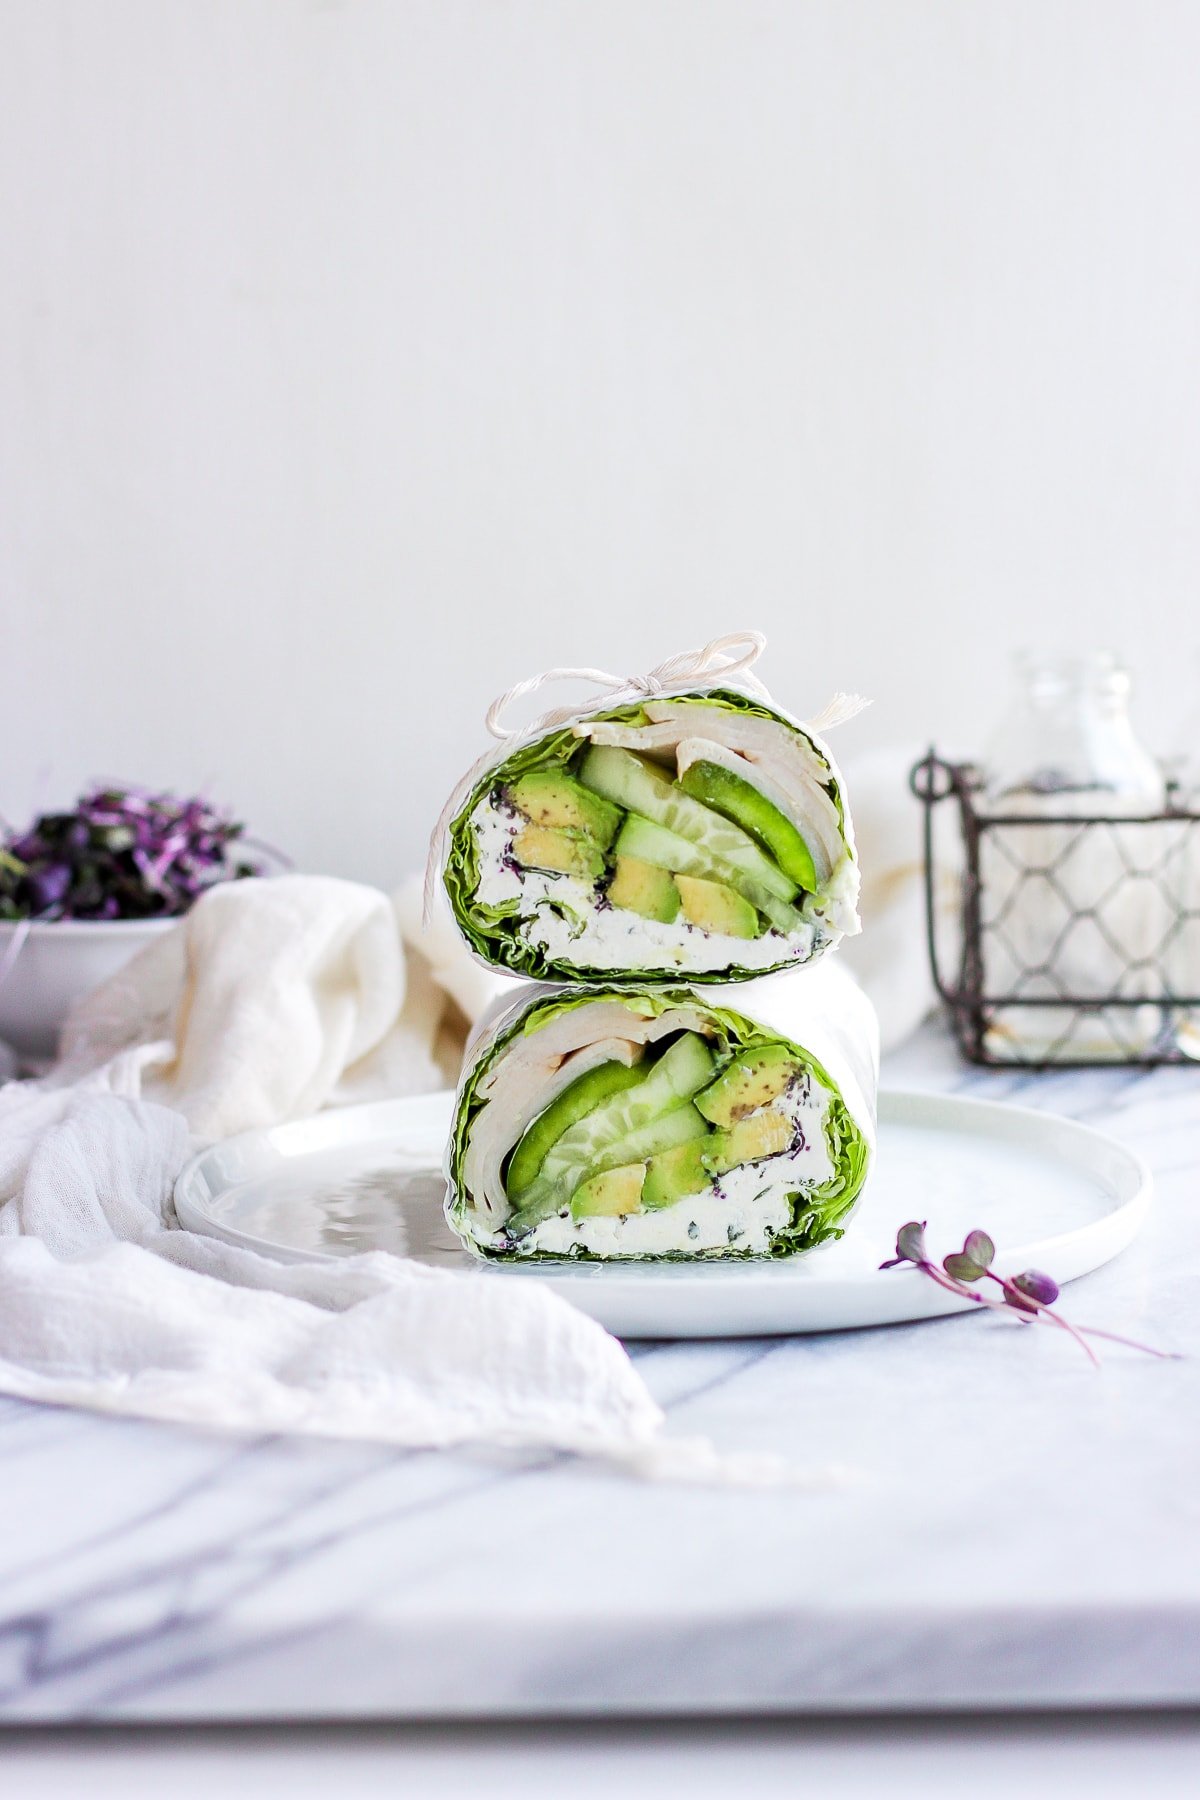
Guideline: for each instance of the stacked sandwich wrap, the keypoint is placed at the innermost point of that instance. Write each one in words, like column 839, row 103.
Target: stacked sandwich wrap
column 677, row 1079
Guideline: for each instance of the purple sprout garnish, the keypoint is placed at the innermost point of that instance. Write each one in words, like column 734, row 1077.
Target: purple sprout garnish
column 122, row 853
column 1028, row 1297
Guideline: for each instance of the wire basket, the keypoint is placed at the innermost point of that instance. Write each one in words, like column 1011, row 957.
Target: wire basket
column 1076, row 936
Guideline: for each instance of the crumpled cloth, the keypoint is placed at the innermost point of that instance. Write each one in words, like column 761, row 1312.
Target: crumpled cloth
column 271, row 1000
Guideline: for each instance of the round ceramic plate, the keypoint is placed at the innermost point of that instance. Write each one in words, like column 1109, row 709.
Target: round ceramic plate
column 1053, row 1195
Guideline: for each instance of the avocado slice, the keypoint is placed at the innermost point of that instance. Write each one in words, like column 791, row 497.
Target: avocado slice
column 580, row 1098
column 715, row 907
column 736, row 799
column 689, row 1168
column 752, row 1079
column 641, row 888
column 566, row 852
column 610, row 1195
column 681, row 1071
column 749, row 1140
column 637, row 785
column 674, row 1174
column 550, row 797
column 642, row 839
column 682, row 1125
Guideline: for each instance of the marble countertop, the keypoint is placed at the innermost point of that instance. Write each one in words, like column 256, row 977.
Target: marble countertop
column 1014, row 1529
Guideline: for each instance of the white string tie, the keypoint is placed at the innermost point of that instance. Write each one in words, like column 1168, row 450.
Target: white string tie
column 723, row 659
column 705, row 667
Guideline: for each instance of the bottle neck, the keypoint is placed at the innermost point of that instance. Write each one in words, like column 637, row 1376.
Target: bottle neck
column 1070, row 732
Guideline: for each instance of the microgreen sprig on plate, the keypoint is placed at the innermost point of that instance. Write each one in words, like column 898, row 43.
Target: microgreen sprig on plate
column 1028, row 1297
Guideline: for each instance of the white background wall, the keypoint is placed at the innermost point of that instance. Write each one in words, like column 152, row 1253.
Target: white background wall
column 357, row 359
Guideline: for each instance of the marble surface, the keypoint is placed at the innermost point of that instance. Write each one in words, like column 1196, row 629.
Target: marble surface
column 1013, row 1528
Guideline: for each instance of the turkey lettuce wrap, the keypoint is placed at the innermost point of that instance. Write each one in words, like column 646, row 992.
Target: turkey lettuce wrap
column 702, row 835
column 651, row 1122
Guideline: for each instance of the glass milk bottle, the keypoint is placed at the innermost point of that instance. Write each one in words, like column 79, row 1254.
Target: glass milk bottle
column 1072, row 912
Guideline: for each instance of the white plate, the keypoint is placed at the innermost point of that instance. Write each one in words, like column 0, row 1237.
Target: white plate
column 1053, row 1194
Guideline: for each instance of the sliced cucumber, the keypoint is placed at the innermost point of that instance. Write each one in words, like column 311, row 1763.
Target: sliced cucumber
column 629, row 781
column 719, row 788
column 573, row 1104
column 652, row 843
column 682, row 1070
column 683, row 1125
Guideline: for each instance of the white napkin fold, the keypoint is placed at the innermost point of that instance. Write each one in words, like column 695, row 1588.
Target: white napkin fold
column 104, row 1304
column 272, row 999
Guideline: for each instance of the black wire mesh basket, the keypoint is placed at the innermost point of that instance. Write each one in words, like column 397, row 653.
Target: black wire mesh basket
column 1073, row 936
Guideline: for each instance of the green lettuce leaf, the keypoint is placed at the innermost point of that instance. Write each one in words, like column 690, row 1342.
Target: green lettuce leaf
column 817, row 1212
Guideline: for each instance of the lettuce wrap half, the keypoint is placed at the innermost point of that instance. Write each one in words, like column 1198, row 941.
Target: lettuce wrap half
column 700, row 836
column 644, row 1122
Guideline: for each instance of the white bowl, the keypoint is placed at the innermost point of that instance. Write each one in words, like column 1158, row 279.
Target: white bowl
column 59, row 962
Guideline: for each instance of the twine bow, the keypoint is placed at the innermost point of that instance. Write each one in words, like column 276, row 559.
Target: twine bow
column 703, row 667
column 722, row 659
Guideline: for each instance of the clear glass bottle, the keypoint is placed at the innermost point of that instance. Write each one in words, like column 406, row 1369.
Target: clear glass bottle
column 1067, row 737
column 1073, row 912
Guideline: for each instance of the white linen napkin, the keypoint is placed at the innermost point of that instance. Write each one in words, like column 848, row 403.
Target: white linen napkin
column 272, row 999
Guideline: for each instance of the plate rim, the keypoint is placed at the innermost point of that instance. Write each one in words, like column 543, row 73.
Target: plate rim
column 648, row 1281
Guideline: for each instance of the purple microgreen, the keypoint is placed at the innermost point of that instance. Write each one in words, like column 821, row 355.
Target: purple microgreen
column 972, row 1262
column 1027, row 1297
column 980, row 1248
column 910, row 1245
column 1036, row 1287
column 48, row 886
column 122, row 853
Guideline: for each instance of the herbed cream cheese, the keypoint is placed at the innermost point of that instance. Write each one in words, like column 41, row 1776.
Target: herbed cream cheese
column 562, row 917
column 739, row 1215
column 734, row 1222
